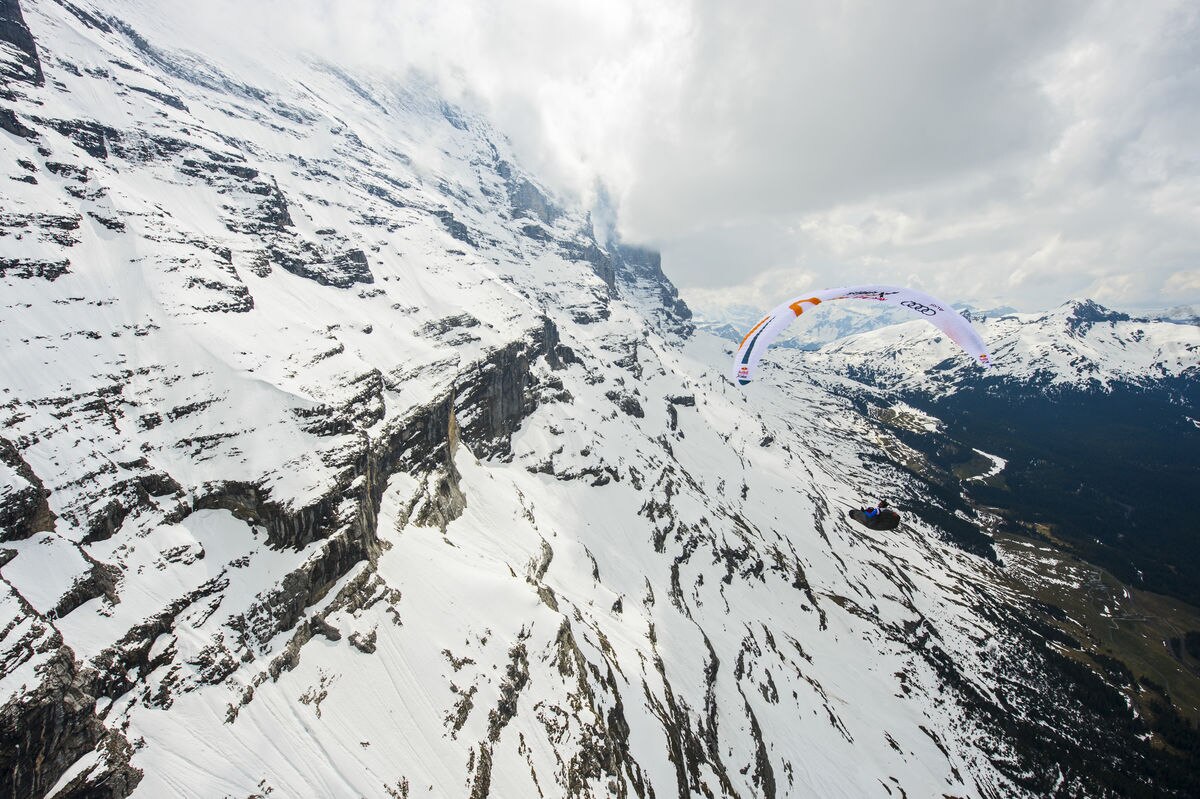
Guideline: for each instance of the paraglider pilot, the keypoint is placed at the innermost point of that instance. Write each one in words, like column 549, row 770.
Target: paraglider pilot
column 871, row 513
column 880, row 517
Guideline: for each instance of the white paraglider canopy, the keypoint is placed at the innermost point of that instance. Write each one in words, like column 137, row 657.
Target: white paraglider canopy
column 933, row 310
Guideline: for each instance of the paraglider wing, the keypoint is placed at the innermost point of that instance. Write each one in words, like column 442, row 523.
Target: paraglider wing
column 933, row 310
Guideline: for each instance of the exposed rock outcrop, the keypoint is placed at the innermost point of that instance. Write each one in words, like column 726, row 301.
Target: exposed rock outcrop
column 24, row 66
column 23, row 507
column 50, row 727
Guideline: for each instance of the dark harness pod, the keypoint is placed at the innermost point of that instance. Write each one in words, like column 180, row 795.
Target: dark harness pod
column 886, row 520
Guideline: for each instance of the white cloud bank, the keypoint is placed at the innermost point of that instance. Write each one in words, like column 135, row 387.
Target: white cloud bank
column 1018, row 153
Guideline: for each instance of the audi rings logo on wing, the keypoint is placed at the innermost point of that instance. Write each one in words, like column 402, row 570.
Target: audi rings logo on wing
column 919, row 308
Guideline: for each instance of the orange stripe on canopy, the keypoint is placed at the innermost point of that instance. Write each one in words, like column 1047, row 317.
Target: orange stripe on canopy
column 764, row 320
column 797, row 306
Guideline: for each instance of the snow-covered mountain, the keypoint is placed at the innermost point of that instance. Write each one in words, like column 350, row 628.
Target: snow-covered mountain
column 341, row 459
column 1079, row 345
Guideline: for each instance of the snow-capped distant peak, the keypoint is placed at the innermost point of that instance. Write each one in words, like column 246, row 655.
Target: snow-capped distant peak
column 1080, row 343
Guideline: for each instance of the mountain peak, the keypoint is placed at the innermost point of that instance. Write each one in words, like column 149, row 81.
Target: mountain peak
column 1088, row 310
column 1081, row 315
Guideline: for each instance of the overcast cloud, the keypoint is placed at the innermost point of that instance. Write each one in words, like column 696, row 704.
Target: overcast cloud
column 1004, row 154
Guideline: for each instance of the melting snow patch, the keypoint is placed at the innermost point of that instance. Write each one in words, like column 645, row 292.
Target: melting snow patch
column 46, row 567
column 997, row 466
column 80, row 766
column 161, row 645
column 930, row 423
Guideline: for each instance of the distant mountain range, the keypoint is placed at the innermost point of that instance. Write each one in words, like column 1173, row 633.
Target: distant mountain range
column 833, row 323
column 845, row 320
column 1079, row 344
column 1180, row 314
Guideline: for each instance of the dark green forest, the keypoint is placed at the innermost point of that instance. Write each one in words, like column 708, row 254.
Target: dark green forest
column 1116, row 474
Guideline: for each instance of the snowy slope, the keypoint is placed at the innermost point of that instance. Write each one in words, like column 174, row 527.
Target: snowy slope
column 340, row 459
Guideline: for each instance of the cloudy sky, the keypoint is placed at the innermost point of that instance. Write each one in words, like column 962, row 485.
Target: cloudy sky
column 1004, row 154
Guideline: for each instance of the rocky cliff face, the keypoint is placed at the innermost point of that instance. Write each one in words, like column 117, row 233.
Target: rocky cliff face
column 342, row 459
column 21, row 64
